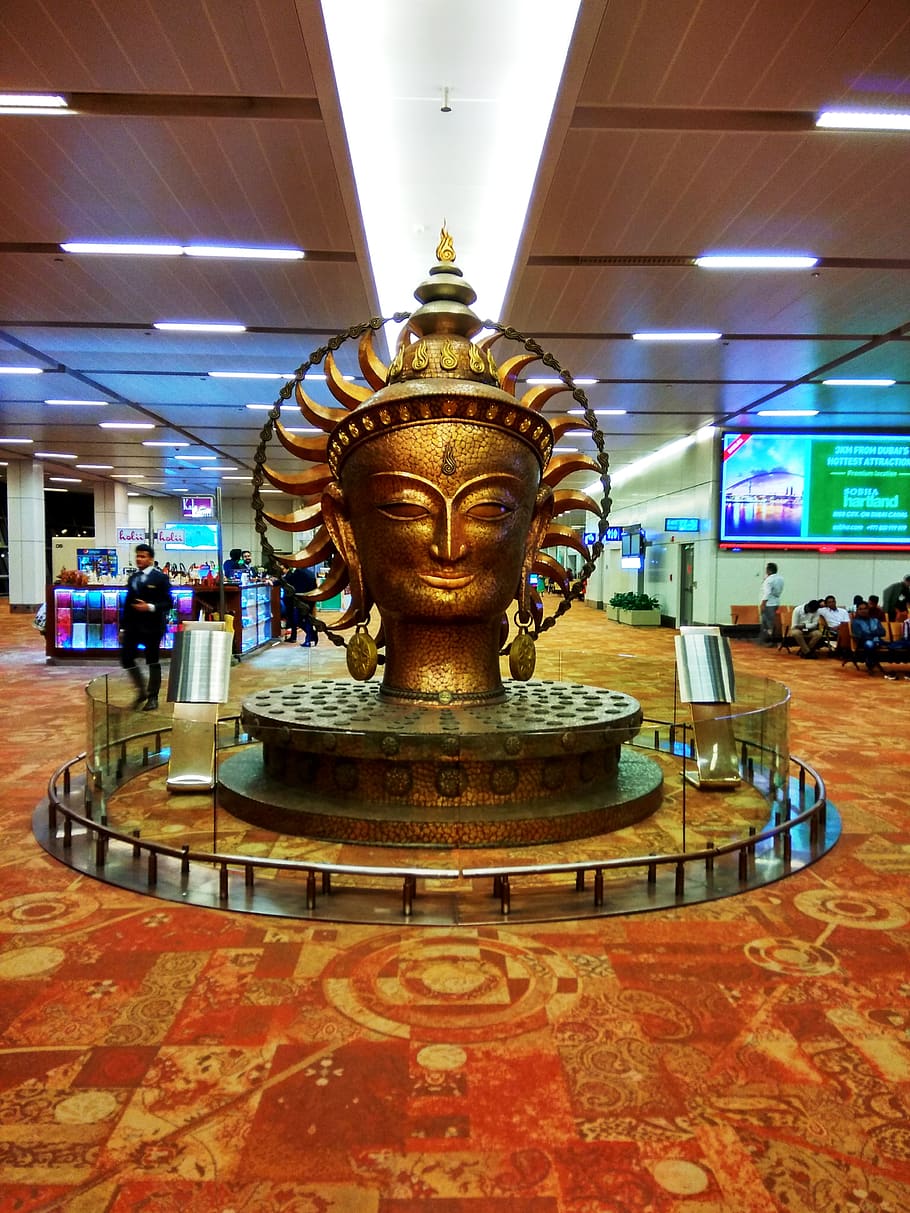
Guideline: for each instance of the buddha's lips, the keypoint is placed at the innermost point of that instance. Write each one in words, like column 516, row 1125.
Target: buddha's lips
column 447, row 583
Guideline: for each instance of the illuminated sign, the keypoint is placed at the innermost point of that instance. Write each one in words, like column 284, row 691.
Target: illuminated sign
column 198, row 507
column 687, row 525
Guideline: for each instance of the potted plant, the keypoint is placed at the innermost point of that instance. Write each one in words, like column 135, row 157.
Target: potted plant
column 638, row 610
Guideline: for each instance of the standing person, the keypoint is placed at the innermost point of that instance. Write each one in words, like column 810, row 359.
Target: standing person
column 896, row 598
column 302, row 580
column 145, row 613
column 771, row 591
column 233, row 566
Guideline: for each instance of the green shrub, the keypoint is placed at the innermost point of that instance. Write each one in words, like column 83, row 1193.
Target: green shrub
column 635, row 602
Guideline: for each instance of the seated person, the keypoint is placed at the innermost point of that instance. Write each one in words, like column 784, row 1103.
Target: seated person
column 247, row 558
column 804, row 628
column 875, row 611
column 868, row 634
column 832, row 614
column 234, row 566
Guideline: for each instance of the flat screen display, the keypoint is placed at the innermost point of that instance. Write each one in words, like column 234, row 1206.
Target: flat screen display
column 189, row 537
column 815, row 490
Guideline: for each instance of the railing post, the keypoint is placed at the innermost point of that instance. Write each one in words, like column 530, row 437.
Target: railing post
column 67, row 833
column 311, row 890
column 409, row 887
column 223, row 882
column 580, row 880
column 598, row 886
column 137, row 850
column 505, row 894
column 680, row 886
column 152, row 869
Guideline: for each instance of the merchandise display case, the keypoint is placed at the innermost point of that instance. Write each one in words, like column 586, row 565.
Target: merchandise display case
column 256, row 609
column 83, row 622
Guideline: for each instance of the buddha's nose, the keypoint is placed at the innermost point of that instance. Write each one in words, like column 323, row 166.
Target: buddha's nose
column 448, row 544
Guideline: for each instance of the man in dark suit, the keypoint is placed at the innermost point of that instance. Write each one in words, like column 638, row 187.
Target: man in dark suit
column 145, row 613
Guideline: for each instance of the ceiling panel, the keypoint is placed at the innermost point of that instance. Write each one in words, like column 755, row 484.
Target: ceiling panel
column 679, row 128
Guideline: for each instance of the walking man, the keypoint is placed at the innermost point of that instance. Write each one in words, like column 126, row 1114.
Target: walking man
column 145, row 613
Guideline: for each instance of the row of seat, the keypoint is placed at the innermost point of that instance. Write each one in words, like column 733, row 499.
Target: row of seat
column 839, row 644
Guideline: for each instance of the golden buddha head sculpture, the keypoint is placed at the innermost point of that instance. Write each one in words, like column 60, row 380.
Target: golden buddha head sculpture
column 431, row 495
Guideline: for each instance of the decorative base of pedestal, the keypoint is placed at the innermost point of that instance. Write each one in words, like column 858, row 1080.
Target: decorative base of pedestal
column 338, row 763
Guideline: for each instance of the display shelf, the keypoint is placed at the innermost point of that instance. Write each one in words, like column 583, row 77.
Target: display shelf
column 255, row 608
column 83, row 622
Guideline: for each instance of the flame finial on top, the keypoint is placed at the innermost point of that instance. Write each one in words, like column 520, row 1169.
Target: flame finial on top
column 445, row 249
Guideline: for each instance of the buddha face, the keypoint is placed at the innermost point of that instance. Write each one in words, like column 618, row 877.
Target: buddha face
column 440, row 521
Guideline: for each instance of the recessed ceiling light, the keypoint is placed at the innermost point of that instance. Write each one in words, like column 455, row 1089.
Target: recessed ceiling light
column 265, row 406
column 788, row 412
column 579, row 433
column 859, row 382
column 248, row 375
column 162, row 442
column 82, row 403
column 599, row 412
column 125, row 425
column 126, row 476
column 123, row 248
column 540, row 382
column 220, row 468
column 252, row 254
column 755, row 261
column 52, row 455
column 21, row 370
column 288, row 429
column 565, row 450
column 94, row 467
column 47, row 490
column 65, row 479
column 196, row 458
column 197, row 326
column 246, row 478
column 270, row 490
column 129, row 494
column 19, row 441
column 680, row 336
column 868, row 120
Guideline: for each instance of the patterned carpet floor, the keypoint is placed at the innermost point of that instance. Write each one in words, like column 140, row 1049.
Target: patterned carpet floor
column 749, row 1055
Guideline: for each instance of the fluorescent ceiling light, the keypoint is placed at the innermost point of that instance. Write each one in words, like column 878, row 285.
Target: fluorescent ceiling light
column 222, row 468
column 788, row 412
column 375, row 73
column 548, row 381
column 252, row 254
column 133, row 494
column 565, row 450
column 21, row 370
column 94, row 467
column 34, row 101
column 161, row 442
column 125, row 425
column 270, row 490
column 579, row 433
column 245, row 478
column 681, row 336
column 42, row 104
column 859, row 382
column 197, row 326
column 126, row 476
column 301, row 430
column 869, row 120
column 123, row 248
column 66, row 479
column 99, row 404
column 52, row 455
column 599, row 412
column 755, row 261
column 196, row 458
column 19, row 441
column 266, row 406
column 47, row 490
column 247, row 375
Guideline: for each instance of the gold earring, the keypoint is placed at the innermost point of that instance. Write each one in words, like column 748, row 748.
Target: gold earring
column 522, row 652
column 362, row 654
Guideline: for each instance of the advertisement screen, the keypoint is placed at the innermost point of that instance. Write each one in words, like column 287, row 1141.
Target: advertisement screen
column 815, row 490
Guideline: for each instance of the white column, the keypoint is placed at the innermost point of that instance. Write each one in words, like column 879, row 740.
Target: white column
column 27, row 543
column 111, row 512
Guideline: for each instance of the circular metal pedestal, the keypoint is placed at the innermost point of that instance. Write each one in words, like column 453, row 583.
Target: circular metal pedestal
column 337, row 762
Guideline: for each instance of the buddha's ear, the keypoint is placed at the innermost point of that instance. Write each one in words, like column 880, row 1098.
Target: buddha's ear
column 537, row 530
column 338, row 525
column 540, row 522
